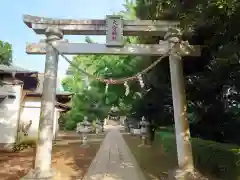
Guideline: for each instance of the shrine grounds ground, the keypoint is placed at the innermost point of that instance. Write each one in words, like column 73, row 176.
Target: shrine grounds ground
column 211, row 159
column 215, row 160
column 69, row 158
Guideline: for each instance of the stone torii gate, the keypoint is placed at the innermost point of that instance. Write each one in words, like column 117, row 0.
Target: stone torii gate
column 114, row 28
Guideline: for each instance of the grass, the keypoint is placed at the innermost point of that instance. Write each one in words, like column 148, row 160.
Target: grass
column 68, row 157
column 211, row 159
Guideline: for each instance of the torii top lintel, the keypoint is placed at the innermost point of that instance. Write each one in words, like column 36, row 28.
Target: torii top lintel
column 98, row 26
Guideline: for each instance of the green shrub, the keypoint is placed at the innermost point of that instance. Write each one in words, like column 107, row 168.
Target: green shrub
column 70, row 125
column 222, row 160
column 24, row 143
column 166, row 128
column 218, row 159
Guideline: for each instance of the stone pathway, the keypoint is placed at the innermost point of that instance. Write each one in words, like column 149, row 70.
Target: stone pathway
column 114, row 161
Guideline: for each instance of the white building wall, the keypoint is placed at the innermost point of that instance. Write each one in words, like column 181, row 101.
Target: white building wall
column 9, row 114
column 31, row 111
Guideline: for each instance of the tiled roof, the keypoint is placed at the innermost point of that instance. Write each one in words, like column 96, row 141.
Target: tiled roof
column 13, row 69
column 4, row 94
column 6, row 91
column 63, row 106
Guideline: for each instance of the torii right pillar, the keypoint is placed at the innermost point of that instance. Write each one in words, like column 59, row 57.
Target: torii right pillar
column 184, row 149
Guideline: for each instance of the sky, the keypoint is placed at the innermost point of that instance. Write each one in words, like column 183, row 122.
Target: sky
column 14, row 31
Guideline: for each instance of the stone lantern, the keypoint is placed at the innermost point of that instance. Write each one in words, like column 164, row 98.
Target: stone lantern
column 144, row 129
column 84, row 128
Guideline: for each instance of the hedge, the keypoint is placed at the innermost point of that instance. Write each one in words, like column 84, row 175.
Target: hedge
column 218, row 159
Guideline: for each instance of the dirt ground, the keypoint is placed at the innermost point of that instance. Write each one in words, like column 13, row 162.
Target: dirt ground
column 69, row 158
column 154, row 161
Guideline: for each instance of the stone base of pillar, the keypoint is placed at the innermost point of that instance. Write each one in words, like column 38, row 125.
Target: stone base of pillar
column 180, row 174
column 33, row 174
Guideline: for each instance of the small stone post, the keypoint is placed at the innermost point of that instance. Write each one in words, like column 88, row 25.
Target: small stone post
column 42, row 168
column 144, row 130
column 98, row 127
column 84, row 139
column 184, row 150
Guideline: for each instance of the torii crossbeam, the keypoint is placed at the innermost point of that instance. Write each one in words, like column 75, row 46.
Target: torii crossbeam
column 98, row 26
column 131, row 49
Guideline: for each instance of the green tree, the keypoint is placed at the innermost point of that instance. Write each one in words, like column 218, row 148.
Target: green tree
column 207, row 77
column 5, row 53
column 90, row 97
column 107, row 67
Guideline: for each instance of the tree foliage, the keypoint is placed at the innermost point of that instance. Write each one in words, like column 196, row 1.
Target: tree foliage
column 94, row 102
column 91, row 98
column 212, row 80
column 5, row 53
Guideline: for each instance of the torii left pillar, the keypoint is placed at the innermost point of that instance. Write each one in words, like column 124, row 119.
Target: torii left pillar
column 42, row 168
